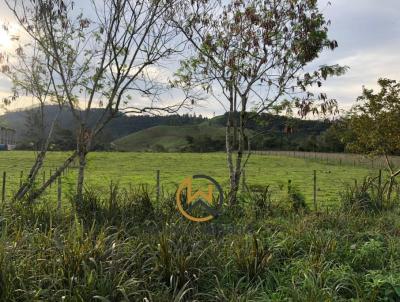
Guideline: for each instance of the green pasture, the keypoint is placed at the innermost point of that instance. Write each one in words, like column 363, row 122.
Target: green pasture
column 132, row 169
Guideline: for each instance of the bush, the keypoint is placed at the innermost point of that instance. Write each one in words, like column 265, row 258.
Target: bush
column 370, row 195
column 296, row 198
column 117, row 246
column 117, row 205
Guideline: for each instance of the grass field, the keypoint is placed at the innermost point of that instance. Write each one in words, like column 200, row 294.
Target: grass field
column 130, row 169
column 127, row 247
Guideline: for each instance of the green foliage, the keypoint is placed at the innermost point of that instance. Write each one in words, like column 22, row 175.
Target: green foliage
column 251, row 258
column 336, row 256
column 335, row 137
column 375, row 121
column 261, row 199
column 25, row 122
column 267, row 132
column 174, row 138
column 204, row 143
column 131, row 169
column 369, row 195
column 116, row 206
column 296, row 198
column 257, row 43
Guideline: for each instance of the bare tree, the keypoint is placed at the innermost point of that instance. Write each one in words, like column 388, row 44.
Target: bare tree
column 101, row 58
column 31, row 75
column 251, row 55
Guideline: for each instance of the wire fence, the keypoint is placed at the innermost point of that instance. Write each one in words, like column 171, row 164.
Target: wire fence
column 376, row 162
column 320, row 186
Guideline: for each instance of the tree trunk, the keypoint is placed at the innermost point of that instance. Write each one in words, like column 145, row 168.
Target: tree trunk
column 28, row 184
column 84, row 141
column 230, row 141
column 235, row 170
column 390, row 189
column 229, row 157
column 81, row 177
column 53, row 177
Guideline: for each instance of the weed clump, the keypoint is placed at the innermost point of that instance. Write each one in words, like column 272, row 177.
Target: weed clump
column 296, row 198
column 370, row 195
column 120, row 245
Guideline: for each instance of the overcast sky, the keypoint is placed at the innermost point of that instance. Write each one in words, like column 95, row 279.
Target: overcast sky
column 368, row 33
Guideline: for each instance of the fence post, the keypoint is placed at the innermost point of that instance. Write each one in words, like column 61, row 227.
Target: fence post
column 315, row 190
column 21, row 175
column 158, row 185
column 379, row 188
column 243, row 180
column 59, row 194
column 3, row 191
column 398, row 194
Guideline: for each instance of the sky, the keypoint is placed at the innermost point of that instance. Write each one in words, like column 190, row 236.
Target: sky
column 368, row 33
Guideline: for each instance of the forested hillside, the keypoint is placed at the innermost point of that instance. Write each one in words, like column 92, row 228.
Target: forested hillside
column 134, row 133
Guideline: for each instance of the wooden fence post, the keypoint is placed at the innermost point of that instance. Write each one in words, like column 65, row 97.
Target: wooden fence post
column 158, row 185
column 59, row 194
column 379, row 188
column 398, row 194
column 3, row 191
column 315, row 190
column 243, row 180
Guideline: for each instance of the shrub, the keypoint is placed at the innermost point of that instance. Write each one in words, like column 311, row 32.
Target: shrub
column 370, row 195
column 251, row 257
column 118, row 247
column 296, row 198
column 116, row 206
column 260, row 198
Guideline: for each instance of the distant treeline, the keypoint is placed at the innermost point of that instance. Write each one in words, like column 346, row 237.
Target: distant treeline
column 275, row 132
column 268, row 132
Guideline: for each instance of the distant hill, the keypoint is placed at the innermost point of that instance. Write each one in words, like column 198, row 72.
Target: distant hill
column 168, row 138
column 24, row 120
column 175, row 132
column 268, row 132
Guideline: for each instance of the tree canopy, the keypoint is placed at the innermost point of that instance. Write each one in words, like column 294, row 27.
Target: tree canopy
column 375, row 121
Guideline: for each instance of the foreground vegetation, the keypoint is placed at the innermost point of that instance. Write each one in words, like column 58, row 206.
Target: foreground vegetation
column 123, row 246
column 130, row 169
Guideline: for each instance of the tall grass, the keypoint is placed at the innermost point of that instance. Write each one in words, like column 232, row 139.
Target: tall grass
column 120, row 246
